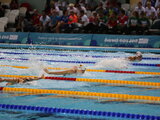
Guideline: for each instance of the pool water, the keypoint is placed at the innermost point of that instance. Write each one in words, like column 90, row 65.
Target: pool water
column 36, row 60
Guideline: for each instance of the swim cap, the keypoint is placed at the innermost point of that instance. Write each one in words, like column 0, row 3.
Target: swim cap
column 138, row 53
column 81, row 67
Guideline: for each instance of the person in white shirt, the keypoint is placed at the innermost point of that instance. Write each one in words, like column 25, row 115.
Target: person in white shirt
column 83, row 18
column 158, row 12
column 45, row 20
column 139, row 8
column 79, row 8
column 150, row 10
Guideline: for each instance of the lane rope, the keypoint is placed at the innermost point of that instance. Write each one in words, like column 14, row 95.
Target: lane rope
column 77, row 62
column 81, row 93
column 53, row 110
column 77, row 55
column 119, row 82
column 92, row 70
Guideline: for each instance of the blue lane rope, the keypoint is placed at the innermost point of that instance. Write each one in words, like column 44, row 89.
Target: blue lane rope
column 78, row 62
column 80, row 55
column 79, row 112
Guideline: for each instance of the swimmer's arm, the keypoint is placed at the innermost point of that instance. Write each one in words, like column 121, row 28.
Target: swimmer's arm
column 37, row 78
column 10, row 80
column 14, row 81
column 131, row 58
column 60, row 72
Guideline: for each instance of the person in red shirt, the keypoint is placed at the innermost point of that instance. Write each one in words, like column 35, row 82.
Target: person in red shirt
column 72, row 21
column 72, row 18
column 35, row 20
column 122, row 22
column 112, row 23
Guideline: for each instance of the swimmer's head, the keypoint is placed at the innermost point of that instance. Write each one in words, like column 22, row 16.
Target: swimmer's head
column 138, row 54
column 81, row 68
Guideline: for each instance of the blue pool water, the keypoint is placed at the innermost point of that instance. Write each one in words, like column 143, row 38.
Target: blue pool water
column 109, row 63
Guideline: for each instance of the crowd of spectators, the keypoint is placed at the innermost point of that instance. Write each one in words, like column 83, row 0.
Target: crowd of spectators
column 107, row 17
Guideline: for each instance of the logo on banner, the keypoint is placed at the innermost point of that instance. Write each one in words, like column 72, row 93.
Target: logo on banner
column 13, row 37
column 132, row 40
column 9, row 37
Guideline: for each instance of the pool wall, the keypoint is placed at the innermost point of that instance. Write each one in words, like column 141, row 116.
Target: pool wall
column 98, row 40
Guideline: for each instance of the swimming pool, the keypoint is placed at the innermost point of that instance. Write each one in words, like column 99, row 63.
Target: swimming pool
column 77, row 93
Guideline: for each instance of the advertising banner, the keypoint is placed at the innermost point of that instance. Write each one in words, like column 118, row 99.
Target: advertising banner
column 126, row 41
column 100, row 40
column 13, row 37
column 60, row 39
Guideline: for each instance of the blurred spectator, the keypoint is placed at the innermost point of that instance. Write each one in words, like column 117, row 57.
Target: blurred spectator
column 144, row 3
column 73, row 18
column 152, row 2
column 54, row 18
column 156, row 24
column 103, row 20
column 2, row 11
column 139, row 8
column 122, row 22
column 92, row 26
column 79, row 8
column 111, row 3
column 28, row 25
column 150, row 11
column 119, row 8
column 83, row 21
column 92, row 4
column 36, row 20
column 112, row 23
column 14, row 4
column 26, row 5
column 72, row 21
column 53, row 7
column 20, row 24
column 72, row 8
column 100, row 9
column 157, row 3
column 63, row 22
column 112, row 8
column 144, row 23
column 44, row 22
column 158, row 12
column 133, row 23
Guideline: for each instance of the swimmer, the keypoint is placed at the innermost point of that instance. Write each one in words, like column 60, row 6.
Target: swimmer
column 80, row 69
column 137, row 57
column 13, row 81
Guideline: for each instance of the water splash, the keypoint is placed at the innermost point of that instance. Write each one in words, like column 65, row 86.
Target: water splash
column 113, row 63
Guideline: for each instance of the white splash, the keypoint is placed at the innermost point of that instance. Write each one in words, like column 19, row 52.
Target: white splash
column 113, row 63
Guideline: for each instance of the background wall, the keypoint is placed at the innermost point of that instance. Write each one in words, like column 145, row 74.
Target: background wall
column 5, row 1
column 38, row 4
column 133, row 3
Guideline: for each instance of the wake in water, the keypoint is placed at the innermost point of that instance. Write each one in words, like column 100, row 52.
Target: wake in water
column 113, row 63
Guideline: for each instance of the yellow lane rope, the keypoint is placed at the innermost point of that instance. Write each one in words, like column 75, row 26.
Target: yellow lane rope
column 80, row 93
column 89, row 70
